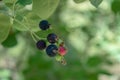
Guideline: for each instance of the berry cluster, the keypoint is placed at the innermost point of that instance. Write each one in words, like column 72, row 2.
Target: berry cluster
column 56, row 47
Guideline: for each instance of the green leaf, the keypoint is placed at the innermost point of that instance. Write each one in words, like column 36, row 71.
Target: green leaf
column 94, row 61
column 3, row 9
column 44, row 8
column 104, row 72
column 116, row 6
column 28, row 22
column 96, row 3
column 78, row 1
column 11, row 41
column 24, row 2
column 9, row 1
column 4, row 27
column 42, row 34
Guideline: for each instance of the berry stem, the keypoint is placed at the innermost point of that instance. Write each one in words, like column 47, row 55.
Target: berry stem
column 13, row 9
column 29, row 30
column 33, row 38
column 38, row 36
column 26, row 28
column 22, row 24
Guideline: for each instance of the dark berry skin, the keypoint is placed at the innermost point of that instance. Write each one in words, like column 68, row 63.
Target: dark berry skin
column 51, row 50
column 41, row 44
column 52, row 38
column 44, row 25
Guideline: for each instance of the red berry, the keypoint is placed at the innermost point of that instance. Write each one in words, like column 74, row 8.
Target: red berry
column 62, row 50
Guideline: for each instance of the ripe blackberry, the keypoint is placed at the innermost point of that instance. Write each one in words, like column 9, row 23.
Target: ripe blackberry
column 41, row 44
column 44, row 25
column 52, row 38
column 51, row 50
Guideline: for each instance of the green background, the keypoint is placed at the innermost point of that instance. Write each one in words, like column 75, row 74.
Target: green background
column 91, row 35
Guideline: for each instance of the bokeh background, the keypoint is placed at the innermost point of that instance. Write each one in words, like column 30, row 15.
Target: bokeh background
column 92, row 37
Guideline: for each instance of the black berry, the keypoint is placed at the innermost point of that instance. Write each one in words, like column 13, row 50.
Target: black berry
column 44, row 25
column 52, row 38
column 41, row 44
column 51, row 50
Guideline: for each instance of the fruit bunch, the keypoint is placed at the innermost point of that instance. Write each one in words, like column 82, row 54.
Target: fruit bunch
column 55, row 48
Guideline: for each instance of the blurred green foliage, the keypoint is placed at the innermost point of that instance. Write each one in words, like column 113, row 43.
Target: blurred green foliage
column 92, row 37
